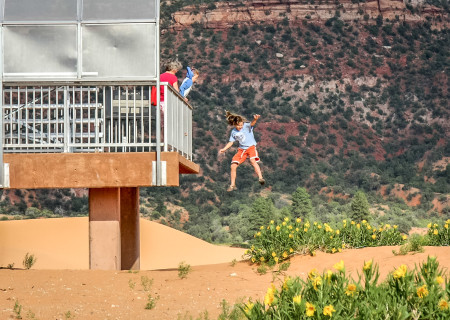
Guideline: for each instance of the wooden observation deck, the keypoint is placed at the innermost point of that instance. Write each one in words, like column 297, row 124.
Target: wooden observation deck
column 76, row 112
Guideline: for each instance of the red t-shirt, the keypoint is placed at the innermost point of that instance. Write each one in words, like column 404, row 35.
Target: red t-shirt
column 166, row 77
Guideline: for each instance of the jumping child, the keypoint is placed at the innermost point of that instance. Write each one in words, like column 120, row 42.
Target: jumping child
column 243, row 133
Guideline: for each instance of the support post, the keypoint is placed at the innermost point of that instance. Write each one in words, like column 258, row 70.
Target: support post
column 114, row 229
column 129, row 228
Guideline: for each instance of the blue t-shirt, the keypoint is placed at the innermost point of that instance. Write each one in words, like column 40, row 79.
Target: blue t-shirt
column 245, row 136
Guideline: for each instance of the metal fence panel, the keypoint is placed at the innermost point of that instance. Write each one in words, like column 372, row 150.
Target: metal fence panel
column 93, row 118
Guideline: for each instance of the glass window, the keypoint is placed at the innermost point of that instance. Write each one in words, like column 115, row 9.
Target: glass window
column 40, row 51
column 119, row 9
column 123, row 50
column 40, row 10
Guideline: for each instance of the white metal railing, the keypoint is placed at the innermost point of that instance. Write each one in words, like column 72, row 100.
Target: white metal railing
column 93, row 118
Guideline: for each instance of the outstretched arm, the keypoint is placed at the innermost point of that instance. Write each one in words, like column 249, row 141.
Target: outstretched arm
column 229, row 144
column 255, row 119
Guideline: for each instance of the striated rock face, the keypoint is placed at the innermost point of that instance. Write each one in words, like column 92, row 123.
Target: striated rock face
column 272, row 11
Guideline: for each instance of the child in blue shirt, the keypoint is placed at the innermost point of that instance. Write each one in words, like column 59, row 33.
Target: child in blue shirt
column 243, row 133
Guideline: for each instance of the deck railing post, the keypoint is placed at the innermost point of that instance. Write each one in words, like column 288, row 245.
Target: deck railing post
column 2, row 134
column 66, row 120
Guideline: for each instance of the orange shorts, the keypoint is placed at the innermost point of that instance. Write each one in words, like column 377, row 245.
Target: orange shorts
column 242, row 154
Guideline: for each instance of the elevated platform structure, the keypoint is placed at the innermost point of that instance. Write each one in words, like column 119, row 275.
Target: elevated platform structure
column 76, row 111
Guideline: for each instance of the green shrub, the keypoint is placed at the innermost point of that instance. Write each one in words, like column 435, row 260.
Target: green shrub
column 404, row 294
column 275, row 243
column 29, row 261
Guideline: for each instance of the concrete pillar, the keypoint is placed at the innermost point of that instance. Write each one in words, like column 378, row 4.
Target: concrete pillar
column 114, row 228
column 129, row 228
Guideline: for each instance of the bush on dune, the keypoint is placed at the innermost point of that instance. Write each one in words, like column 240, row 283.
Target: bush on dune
column 274, row 243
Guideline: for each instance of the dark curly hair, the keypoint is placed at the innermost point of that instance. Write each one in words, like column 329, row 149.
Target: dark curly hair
column 233, row 119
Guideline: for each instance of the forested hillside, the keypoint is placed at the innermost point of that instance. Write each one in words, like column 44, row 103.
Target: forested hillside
column 352, row 97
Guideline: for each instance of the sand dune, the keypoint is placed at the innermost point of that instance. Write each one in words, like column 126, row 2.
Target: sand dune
column 64, row 244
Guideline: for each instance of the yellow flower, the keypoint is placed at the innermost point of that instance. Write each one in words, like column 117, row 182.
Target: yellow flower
column 272, row 222
column 344, row 221
column 388, row 226
column 307, row 225
column 261, row 228
column 297, row 229
column 278, row 228
column 285, row 254
column 297, row 299
column 333, row 250
column 400, row 271
column 422, row 291
column 310, row 309
column 367, row 265
column 340, row 250
column 351, row 289
column 275, row 259
column 248, row 308
column 262, row 259
column 439, row 280
column 291, row 250
column 435, row 232
column 429, row 225
column 298, row 220
column 286, row 219
column 328, row 310
column 290, row 235
column 306, row 230
column 353, row 222
column 328, row 274
column 331, row 237
column 443, row 304
column 270, row 295
column 364, row 221
column 395, row 226
column 286, row 282
column 446, row 226
column 435, row 225
column 358, row 226
column 317, row 282
column 337, row 231
column 315, row 223
column 312, row 274
column 274, row 254
column 374, row 236
column 404, row 237
column 290, row 227
column 253, row 260
column 319, row 226
column 448, row 221
column 339, row 266
column 284, row 223
column 369, row 227
column 258, row 234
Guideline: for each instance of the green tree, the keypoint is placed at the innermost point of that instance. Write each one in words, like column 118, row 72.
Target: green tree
column 262, row 211
column 301, row 203
column 359, row 207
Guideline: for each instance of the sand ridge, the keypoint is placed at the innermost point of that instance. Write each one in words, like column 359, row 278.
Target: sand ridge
column 50, row 293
